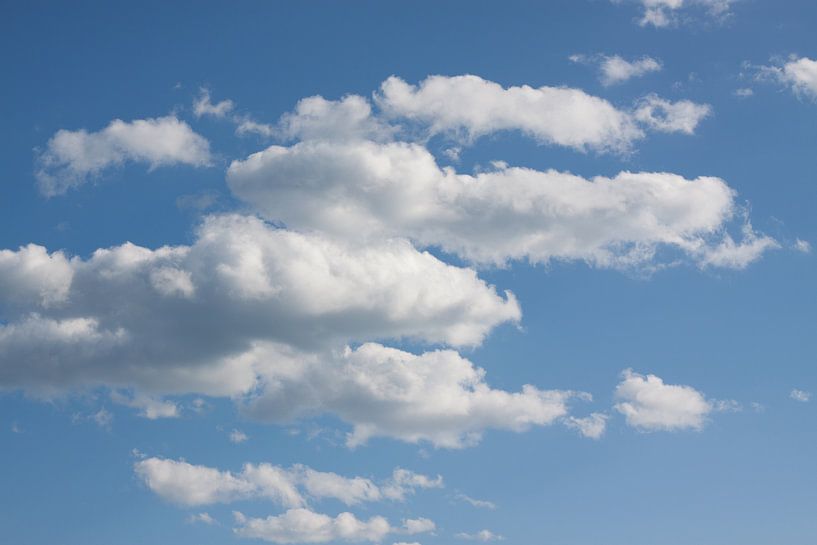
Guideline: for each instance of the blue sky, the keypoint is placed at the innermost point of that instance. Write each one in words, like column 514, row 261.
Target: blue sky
column 408, row 273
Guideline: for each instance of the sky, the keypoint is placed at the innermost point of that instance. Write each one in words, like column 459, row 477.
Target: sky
column 537, row 273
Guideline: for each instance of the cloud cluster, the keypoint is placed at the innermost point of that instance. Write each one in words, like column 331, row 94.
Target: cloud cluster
column 188, row 318
column 71, row 158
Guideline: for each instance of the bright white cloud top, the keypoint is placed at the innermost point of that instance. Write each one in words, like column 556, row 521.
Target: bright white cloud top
column 71, row 158
column 649, row 404
column 798, row 73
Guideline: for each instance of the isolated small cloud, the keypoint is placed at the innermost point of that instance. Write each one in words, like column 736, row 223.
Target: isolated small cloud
column 201, row 518
column 238, row 436
column 649, row 404
column 665, row 116
column 797, row 73
column 481, row 504
column 800, row 395
column 614, row 69
column 482, row 535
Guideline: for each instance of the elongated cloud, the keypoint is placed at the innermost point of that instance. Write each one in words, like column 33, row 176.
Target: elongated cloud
column 663, row 13
column 473, row 107
column 192, row 485
column 71, row 158
column 186, row 318
column 439, row 397
column 615, row 69
column 305, row 526
column 367, row 189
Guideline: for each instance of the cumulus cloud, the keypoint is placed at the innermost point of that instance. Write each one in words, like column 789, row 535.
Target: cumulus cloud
column 194, row 318
column 649, row 404
column 470, row 107
column 71, row 158
column 665, row 116
column 186, row 484
column 305, row 526
column 800, row 395
column 365, row 189
column 192, row 485
column 591, row 426
column 614, row 69
column 201, row 518
column 437, row 396
column 797, row 73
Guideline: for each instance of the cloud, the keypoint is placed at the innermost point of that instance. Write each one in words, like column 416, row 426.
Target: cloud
column 238, row 436
column 665, row 116
column 203, row 106
column 369, row 190
column 150, row 407
column 800, row 395
column 744, row 92
column 225, row 109
column 192, row 485
column 305, row 526
column 482, row 504
column 71, row 158
column 591, row 426
column 186, row 484
column 470, row 107
column 439, row 397
column 482, row 535
column 203, row 518
column 663, row 13
column 196, row 319
column 614, row 69
column 650, row 405
column 798, row 73
column 738, row 255
column 802, row 246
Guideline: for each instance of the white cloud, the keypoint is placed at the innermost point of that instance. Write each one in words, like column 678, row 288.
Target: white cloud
column 744, row 92
column 650, row 405
column 591, row 426
column 238, row 436
column 665, row 116
column 798, row 73
column 305, row 526
column 190, row 485
column 150, row 407
column 663, row 13
column 316, row 118
column 470, row 107
column 737, row 255
column 800, row 395
column 482, row 504
column 374, row 190
column 202, row 106
column 802, row 246
column 241, row 289
column 437, row 396
column 71, row 158
column 482, row 535
column 614, row 69
column 187, row 484
column 203, row 518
